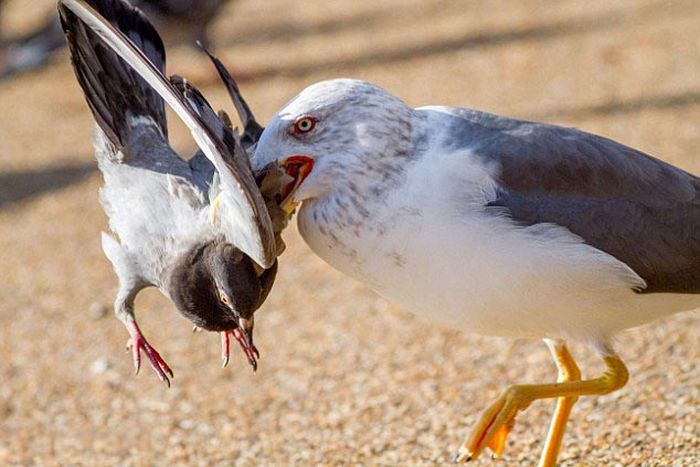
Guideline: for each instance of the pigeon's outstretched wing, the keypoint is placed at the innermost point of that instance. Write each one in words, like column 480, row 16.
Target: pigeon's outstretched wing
column 94, row 65
column 242, row 214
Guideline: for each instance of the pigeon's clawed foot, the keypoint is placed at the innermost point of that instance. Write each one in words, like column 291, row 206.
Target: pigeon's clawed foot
column 494, row 425
column 251, row 352
column 225, row 348
column 137, row 343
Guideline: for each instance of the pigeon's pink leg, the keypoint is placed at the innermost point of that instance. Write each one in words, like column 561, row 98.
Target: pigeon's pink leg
column 225, row 346
column 138, row 342
column 251, row 352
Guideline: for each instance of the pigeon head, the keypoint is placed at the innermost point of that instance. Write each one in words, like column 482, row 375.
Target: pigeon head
column 333, row 129
column 236, row 281
column 219, row 288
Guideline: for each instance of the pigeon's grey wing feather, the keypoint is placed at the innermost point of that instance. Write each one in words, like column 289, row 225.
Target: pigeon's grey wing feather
column 642, row 211
column 251, row 128
column 243, row 216
column 202, row 168
column 200, row 105
column 95, row 64
column 129, row 113
column 202, row 172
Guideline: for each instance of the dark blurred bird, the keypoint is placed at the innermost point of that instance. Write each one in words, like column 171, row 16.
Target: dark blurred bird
column 199, row 230
column 180, row 21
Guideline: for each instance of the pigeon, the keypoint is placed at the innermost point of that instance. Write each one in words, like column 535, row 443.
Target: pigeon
column 491, row 225
column 199, row 230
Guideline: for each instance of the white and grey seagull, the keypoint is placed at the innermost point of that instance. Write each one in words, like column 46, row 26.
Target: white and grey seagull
column 492, row 225
column 199, row 230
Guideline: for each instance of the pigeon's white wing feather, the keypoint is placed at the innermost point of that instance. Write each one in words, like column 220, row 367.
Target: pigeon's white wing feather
column 242, row 215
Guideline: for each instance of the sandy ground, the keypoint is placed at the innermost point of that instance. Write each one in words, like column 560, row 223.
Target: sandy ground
column 344, row 377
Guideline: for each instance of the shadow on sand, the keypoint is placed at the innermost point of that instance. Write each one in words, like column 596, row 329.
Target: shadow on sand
column 623, row 107
column 469, row 40
column 21, row 185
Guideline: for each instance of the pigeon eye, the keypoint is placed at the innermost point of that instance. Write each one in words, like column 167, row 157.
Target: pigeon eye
column 304, row 124
column 224, row 299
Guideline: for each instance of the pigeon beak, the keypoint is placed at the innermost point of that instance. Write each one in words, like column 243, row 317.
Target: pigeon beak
column 247, row 326
column 244, row 335
column 298, row 167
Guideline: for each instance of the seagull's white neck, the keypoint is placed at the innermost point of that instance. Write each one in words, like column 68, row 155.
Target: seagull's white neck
column 355, row 183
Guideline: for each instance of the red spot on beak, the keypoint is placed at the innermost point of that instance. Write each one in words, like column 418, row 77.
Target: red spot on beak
column 298, row 167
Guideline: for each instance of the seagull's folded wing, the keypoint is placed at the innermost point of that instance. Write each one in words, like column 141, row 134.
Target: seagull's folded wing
column 242, row 213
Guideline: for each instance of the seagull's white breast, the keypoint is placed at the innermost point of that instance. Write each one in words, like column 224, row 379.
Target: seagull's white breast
column 433, row 247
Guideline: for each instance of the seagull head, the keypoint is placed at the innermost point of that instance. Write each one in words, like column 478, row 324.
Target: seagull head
column 335, row 130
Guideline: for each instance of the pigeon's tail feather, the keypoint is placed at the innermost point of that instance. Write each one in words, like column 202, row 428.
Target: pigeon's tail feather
column 251, row 128
column 118, row 97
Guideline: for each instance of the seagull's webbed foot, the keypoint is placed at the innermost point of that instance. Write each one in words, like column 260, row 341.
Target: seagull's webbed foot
column 249, row 349
column 137, row 343
column 495, row 424
column 497, row 421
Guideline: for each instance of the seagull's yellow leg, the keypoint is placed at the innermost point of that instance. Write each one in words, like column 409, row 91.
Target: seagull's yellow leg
column 214, row 208
column 568, row 371
column 516, row 398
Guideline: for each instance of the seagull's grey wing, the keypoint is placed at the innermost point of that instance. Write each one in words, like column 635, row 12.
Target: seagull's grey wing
column 251, row 128
column 243, row 216
column 642, row 211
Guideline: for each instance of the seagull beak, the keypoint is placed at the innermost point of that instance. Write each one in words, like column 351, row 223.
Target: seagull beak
column 244, row 335
column 298, row 167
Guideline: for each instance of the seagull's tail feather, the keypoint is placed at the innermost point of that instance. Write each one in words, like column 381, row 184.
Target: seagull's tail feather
column 118, row 97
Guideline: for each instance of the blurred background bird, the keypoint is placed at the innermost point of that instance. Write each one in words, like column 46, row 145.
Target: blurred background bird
column 179, row 21
column 169, row 234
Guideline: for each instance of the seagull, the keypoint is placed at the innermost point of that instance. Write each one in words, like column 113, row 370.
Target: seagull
column 491, row 225
column 184, row 20
column 199, row 230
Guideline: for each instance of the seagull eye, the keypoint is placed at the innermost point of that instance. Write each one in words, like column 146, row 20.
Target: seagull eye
column 304, row 124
